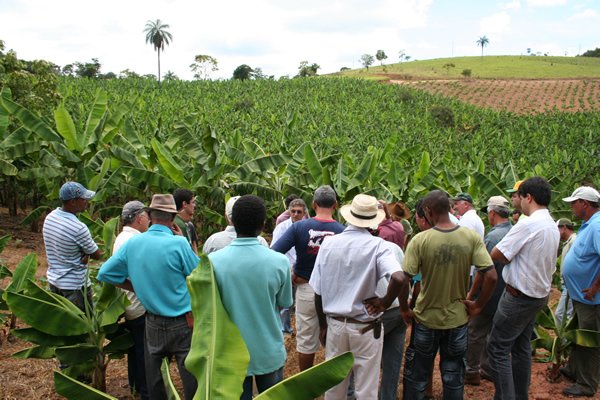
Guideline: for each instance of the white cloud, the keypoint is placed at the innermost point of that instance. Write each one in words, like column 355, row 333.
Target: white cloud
column 585, row 14
column 513, row 5
column 495, row 25
column 546, row 3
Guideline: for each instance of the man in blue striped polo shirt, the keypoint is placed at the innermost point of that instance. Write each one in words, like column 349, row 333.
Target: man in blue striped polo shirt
column 69, row 245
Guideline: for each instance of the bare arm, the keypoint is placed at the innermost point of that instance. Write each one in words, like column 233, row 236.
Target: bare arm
column 487, row 288
column 590, row 292
column 498, row 256
column 322, row 319
column 477, row 281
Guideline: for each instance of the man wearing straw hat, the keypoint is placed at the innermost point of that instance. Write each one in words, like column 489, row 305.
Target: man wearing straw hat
column 156, row 263
column 346, row 273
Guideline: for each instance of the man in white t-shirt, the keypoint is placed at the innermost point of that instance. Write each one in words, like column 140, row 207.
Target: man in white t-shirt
column 463, row 206
column 135, row 221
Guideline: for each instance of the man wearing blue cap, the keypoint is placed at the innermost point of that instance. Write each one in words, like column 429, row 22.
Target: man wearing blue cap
column 69, row 245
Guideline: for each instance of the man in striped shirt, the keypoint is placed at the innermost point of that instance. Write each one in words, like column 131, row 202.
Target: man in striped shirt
column 69, row 245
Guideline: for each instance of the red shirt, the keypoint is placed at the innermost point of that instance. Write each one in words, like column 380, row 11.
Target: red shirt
column 392, row 231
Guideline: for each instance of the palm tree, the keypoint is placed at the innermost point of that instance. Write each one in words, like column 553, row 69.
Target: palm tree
column 157, row 34
column 482, row 41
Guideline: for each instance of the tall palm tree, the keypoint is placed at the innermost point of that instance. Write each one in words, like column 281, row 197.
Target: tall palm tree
column 157, row 34
column 482, row 41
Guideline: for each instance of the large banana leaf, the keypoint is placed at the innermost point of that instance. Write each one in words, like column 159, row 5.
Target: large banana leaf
column 218, row 357
column 584, row 337
column 30, row 120
column 167, row 162
column 75, row 390
column 47, row 312
column 66, row 128
column 42, row 352
column 77, row 353
column 38, row 337
column 24, row 272
column 168, row 382
column 312, row 382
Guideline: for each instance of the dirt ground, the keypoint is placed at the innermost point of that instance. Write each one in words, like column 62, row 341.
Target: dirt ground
column 519, row 96
column 32, row 379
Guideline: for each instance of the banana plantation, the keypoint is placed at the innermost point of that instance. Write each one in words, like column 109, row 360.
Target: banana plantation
column 129, row 138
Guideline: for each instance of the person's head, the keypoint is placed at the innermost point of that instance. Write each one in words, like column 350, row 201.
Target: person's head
column 297, row 209
column 248, row 215
column 74, row 197
column 420, row 218
column 162, row 209
column 436, row 206
column 496, row 210
column 229, row 209
column 185, row 201
column 134, row 215
column 535, row 193
column 363, row 212
column 324, row 197
column 289, row 199
column 515, row 215
column 463, row 202
column 514, row 195
column 565, row 228
column 584, row 201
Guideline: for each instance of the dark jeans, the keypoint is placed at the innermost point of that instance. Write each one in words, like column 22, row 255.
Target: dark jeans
column 509, row 346
column 394, row 331
column 420, row 355
column 167, row 337
column 75, row 296
column 263, row 382
column 135, row 357
column 584, row 362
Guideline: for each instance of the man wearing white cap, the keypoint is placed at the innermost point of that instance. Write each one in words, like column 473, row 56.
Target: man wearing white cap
column 218, row 240
column 347, row 269
column 581, row 272
column 160, row 255
column 69, row 245
column 497, row 210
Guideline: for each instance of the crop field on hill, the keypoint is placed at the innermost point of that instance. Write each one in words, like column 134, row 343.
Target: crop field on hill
column 517, row 95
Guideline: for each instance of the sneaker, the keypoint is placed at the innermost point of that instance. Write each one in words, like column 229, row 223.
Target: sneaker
column 577, row 391
column 472, row 378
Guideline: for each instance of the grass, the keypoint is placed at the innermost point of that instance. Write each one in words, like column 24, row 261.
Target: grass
column 501, row 67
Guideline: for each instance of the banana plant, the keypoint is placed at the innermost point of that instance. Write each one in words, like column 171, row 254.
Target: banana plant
column 85, row 341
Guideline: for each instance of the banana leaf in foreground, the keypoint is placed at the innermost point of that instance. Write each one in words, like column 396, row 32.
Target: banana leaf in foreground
column 218, row 356
column 313, row 382
column 73, row 389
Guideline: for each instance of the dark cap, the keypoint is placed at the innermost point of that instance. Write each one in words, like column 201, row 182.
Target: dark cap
column 463, row 196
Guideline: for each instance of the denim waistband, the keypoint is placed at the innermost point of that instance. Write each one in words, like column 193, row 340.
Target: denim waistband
column 159, row 317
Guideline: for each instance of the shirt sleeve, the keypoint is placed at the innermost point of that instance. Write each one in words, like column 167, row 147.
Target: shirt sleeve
column 514, row 240
column 286, row 242
column 387, row 262
column 85, row 241
column 114, row 270
column 315, row 277
column 481, row 256
column 189, row 259
column 284, row 297
column 410, row 264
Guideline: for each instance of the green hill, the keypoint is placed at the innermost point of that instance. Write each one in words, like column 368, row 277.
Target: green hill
column 503, row 67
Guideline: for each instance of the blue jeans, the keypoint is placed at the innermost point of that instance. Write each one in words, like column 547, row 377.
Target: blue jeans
column 420, row 355
column 263, row 382
column 509, row 346
column 562, row 305
column 167, row 337
column 135, row 357
column 394, row 331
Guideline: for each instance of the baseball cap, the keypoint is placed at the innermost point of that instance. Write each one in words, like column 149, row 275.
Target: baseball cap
column 515, row 187
column 496, row 202
column 229, row 206
column 74, row 190
column 463, row 196
column 565, row 222
column 132, row 208
column 584, row 193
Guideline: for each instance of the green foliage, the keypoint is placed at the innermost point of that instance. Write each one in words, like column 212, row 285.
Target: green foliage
column 466, row 72
column 367, row 60
column 482, row 41
column 305, row 69
column 203, row 65
column 158, row 35
column 380, row 56
column 242, row 72
column 592, row 53
column 443, row 115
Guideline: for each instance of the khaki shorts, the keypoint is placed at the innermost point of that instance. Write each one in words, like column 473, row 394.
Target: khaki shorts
column 307, row 322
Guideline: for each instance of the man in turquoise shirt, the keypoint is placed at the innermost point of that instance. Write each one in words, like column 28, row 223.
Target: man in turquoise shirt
column 157, row 263
column 253, row 282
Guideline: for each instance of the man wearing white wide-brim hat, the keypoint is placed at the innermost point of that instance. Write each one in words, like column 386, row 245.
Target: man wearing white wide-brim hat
column 346, row 273
column 581, row 272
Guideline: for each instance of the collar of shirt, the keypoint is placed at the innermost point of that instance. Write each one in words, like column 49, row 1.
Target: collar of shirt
column 589, row 221
column 245, row 242
column 131, row 230
column 230, row 228
column 160, row 228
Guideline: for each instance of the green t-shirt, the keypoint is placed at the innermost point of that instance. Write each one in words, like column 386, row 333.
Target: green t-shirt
column 188, row 230
column 444, row 258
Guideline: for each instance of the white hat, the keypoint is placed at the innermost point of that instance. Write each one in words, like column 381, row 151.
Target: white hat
column 229, row 206
column 363, row 212
column 584, row 193
column 496, row 202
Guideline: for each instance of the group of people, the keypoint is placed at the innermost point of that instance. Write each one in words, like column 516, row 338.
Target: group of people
column 472, row 297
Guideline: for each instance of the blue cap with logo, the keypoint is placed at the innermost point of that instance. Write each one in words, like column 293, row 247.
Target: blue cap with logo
column 74, row 190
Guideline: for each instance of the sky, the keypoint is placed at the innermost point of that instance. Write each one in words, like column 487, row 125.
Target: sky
column 277, row 35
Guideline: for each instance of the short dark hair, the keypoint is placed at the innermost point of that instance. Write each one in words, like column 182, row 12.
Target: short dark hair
column 538, row 188
column 437, row 201
column 325, row 196
column 516, row 212
column 289, row 199
column 181, row 195
column 248, row 215
column 419, row 210
column 162, row 216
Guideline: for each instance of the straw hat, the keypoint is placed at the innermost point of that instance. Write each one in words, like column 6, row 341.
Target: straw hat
column 363, row 211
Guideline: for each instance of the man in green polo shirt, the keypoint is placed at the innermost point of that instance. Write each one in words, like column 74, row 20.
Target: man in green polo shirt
column 185, row 201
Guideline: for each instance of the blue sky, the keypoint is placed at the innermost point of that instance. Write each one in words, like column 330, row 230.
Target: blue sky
column 277, row 35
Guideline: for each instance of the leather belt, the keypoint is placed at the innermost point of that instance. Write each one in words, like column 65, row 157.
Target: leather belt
column 515, row 292
column 374, row 325
column 298, row 280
